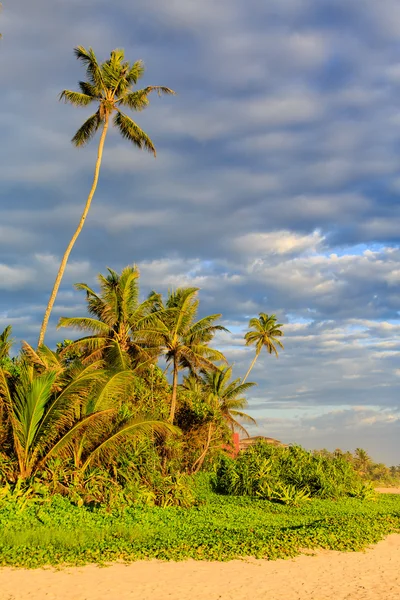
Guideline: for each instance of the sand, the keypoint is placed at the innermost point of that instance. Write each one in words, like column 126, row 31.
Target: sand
column 388, row 490
column 325, row 575
column 370, row 575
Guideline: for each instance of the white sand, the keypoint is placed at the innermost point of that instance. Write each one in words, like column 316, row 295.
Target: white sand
column 373, row 575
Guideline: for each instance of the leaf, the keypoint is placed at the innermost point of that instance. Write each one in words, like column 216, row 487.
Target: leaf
column 76, row 98
column 87, row 131
column 132, row 132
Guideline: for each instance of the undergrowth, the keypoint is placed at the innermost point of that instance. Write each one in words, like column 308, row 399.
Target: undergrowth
column 56, row 532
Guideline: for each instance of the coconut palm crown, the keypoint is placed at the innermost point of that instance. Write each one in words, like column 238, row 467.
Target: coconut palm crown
column 117, row 322
column 109, row 85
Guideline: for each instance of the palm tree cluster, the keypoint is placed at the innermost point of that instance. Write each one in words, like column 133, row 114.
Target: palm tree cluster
column 101, row 406
column 95, row 400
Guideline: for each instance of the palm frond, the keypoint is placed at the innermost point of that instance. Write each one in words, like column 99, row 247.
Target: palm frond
column 244, row 416
column 135, row 72
column 29, row 405
column 132, row 427
column 32, row 356
column 66, row 440
column 117, row 388
column 90, row 90
column 84, row 324
column 6, row 342
column 86, row 132
column 42, row 358
column 139, row 100
column 117, row 357
column 5, row 393
column 76, row 98
column 93, row 69
column 133, row 133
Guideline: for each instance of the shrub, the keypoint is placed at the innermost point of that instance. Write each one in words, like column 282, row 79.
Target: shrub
column 287, row 474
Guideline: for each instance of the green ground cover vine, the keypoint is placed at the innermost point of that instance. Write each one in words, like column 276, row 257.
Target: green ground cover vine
column 57, row 532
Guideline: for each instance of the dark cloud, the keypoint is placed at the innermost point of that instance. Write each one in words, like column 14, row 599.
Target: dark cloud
column 275, row 187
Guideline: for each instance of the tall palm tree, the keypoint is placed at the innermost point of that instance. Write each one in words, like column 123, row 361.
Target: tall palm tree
column 226, row 401
column 118, row 321
column 185, row 340
column 264, row 334
column 109, row 85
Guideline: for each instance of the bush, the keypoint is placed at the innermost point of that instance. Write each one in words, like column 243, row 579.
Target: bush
column 287, row 474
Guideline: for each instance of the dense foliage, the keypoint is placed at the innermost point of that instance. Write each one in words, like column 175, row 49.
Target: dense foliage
column 100, row 444
column 220, row 528
column 101, row 419
column 290, row 475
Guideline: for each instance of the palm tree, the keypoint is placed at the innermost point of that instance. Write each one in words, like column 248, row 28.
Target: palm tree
column 227, row 396
column 362, row 460
column 118, row 321
column 185, row 340
column 75, row 414
column 265, row 334
column 109, row 85
column 226, row 401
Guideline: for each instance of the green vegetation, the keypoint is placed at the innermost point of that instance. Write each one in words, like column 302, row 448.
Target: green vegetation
column 118, row 445
column 104, row 455
column 99, row 421
column 377, row 474
column 289, row 475
column 221, row 528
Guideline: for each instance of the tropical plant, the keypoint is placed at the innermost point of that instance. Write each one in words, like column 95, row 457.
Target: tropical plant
column 109, row 85
column 183, row 339
column 278, row 473
column 362, row 460
column 224, row 400
column 5, row 344
column 76, row 413
column 117, row 323
column 227, row 397
column 264, row 333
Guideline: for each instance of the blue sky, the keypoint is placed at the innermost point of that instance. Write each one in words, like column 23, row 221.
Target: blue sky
column 275, row 188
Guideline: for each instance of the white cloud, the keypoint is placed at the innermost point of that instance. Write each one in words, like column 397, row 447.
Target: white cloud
column 277, row 242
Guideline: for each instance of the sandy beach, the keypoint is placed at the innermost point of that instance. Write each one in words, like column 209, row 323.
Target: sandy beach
column 322, row 575
column 370, row 575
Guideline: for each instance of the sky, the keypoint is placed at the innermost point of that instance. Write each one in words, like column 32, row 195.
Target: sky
column 275, row 189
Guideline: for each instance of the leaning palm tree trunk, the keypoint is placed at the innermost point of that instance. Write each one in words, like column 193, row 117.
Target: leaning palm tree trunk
column 75, row 236
column 174, row 391
column 253, row 362
column 199, row 462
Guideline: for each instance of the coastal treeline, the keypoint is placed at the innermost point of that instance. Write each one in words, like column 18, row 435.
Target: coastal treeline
column 141, row 402
column 133, row 407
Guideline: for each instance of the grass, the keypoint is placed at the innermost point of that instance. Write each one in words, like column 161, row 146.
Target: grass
column 223, row 528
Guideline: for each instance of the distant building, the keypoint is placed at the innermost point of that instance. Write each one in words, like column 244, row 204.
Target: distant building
column 250, row 441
